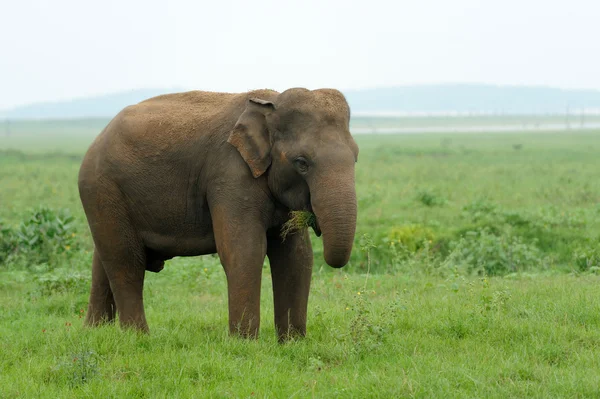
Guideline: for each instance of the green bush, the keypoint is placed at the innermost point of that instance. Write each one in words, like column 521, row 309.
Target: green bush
column 480, row 209
column 430, row 199
column 7, row 243
column 587, row 258
column 39, row 238
column 411, row 237
column 482, row 252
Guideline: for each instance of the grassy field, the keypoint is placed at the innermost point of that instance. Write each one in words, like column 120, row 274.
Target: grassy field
column 483, row 260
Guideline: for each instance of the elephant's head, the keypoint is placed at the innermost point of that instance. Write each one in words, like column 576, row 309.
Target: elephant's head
column 301, row 141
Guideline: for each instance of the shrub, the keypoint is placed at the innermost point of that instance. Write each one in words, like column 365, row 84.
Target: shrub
column 430, row 199
column 7, row 243
column 587, row 258
column 411, row 237
column 480, row 209
column 39, row 238
column 484, row 253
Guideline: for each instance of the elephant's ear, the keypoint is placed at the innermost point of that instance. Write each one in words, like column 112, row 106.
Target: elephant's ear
column 250, row 135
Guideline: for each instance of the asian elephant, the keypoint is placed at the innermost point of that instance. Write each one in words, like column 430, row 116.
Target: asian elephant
column 198, row 173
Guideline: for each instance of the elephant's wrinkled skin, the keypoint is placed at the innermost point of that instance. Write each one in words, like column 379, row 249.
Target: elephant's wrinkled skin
column 197, row 173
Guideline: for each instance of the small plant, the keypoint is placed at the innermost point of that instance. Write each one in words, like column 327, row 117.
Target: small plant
column 366, row 334
column 62, row 281
column 366, row 244
column 8, row 243
column 315, row 363
column 587, row 259
column 430, row 199
column 493, row 300
column 298, row 221
column 79, row 369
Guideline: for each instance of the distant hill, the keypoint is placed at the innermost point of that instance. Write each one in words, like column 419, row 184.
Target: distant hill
column 91, row 107
column 458, row 98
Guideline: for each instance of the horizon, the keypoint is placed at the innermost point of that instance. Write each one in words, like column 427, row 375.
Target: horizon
column 352, row 91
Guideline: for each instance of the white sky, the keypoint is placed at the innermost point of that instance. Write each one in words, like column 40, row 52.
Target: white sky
column 60, row 49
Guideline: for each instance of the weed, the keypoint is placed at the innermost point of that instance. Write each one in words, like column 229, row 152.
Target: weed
column 8, row 243
column 366, row 330
column 366, row 333
column 430, row 199
column 366, row 244
column 315, row 363
column 62, row 281
column 587, row 259
column 493, row 300
column 78, row 369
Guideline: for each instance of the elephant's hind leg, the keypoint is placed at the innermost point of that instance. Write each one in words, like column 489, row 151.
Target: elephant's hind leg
column 123, row 257
column 101, row 308
column 124, row 261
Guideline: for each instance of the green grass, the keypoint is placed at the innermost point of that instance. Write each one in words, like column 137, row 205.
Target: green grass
column 483, row 252
column 529, row 336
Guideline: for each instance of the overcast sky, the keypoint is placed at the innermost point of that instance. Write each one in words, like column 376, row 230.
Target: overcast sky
column 61, row 49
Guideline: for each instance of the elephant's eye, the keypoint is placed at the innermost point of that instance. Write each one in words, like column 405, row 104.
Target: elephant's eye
column 301, row 164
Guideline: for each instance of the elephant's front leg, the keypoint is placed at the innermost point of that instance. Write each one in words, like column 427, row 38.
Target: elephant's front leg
column 291, row 268
column 242, row 244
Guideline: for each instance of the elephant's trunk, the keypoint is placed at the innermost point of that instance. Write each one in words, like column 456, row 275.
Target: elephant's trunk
column 334, row 204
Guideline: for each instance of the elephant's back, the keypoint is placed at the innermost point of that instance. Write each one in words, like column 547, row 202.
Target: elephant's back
column 186, row 115
column 168, row 131
column 186, row 105
column 179, row 114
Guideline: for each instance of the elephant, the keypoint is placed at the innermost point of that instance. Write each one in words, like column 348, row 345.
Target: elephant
column 197, row 173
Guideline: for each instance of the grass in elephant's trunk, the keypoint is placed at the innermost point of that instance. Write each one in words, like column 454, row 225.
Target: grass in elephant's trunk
column 298, row 220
